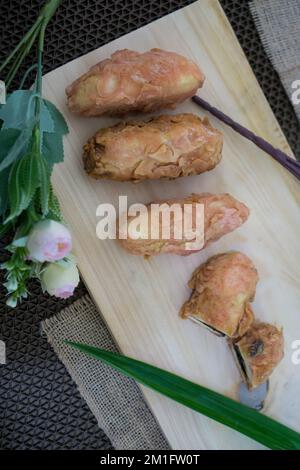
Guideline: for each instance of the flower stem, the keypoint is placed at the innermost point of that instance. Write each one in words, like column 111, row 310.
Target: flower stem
column 26, row 43
column 28, row 71
column 23, row 53
column 48, row 11
column 22, row 42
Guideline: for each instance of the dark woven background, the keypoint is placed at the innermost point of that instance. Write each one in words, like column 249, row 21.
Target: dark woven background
column 40, row 407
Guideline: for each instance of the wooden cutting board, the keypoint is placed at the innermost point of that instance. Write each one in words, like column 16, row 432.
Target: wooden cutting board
column 140, row 299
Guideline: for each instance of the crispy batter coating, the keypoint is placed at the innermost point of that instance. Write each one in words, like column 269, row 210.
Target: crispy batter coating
column 222, row 214
column 258, row 352
column 164, row 147
column 222, row 289
column 130, row 81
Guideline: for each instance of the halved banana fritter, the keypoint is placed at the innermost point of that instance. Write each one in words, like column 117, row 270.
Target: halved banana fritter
column 258, row 352
column 223, row 288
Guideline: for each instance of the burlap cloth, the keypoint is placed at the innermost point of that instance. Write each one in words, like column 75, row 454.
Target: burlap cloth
column 116, row 401
column 278, row 24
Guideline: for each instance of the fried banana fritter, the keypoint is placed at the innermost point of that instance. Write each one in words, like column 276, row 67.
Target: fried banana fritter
column 130, row 81
column 223, row 288
column 222, row 214
column 258, row 352
column 164, row 147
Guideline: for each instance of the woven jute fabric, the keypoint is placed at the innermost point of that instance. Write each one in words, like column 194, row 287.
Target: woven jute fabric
column 115, row 400
column 278, row 23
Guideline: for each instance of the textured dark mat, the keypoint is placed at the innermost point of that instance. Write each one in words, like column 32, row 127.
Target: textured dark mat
column 40, row 407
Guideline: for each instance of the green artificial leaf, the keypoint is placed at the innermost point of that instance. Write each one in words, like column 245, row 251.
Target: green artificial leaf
column 19, row 145
column 11, row 301
column 20, row 242
column 46, row 121
column 27, row 219
column 212, row 404
column 18, row 110
column 60, row 125
column 23, row 182
column 11, row 285
column 4, row 228
column 54, row 207
column 44, row 181
column 4, row 175
column 7, row 139
column 52, row 148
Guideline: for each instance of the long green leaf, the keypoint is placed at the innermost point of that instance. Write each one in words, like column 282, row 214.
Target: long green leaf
column 54, row 207
column 44, row 190
column 212, row 404
column 18, row 147
column 23, row 182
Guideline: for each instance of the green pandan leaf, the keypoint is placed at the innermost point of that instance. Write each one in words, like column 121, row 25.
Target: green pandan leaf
column 212, row 404
column 60, row 125
column 23, row 182
column 52, row 149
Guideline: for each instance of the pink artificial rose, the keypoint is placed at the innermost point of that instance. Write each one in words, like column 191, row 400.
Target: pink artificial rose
column 60, row 280
column 48, row 240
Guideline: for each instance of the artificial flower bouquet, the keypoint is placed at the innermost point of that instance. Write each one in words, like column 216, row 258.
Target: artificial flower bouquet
column 31, row 142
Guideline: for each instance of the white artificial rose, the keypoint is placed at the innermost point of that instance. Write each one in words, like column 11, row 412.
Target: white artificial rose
column 48, row 240
column 60, row 280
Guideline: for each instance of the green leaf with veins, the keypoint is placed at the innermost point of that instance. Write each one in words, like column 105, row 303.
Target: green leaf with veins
column 18, row 110
column 54, row 207
column 4, row 228
column 46, row 121
column 18, row 147
column 44, row 189
column 60, row 125
column 20, row 242
column 7, row 140
column 23, row 182
column 52, row 148
column 4, row 176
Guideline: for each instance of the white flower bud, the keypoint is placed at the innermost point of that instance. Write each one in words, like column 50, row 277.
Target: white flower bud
column 60, row 280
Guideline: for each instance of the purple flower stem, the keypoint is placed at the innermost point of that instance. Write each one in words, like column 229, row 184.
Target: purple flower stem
column 293, row 166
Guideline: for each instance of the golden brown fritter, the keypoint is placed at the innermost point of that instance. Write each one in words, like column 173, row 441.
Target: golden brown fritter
column 222, row 214
column 164, row 147
column 223, row 288
column 258, row 352
column 130, row 81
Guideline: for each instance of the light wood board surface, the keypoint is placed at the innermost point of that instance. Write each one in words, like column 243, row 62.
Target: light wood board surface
column 140, row 299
